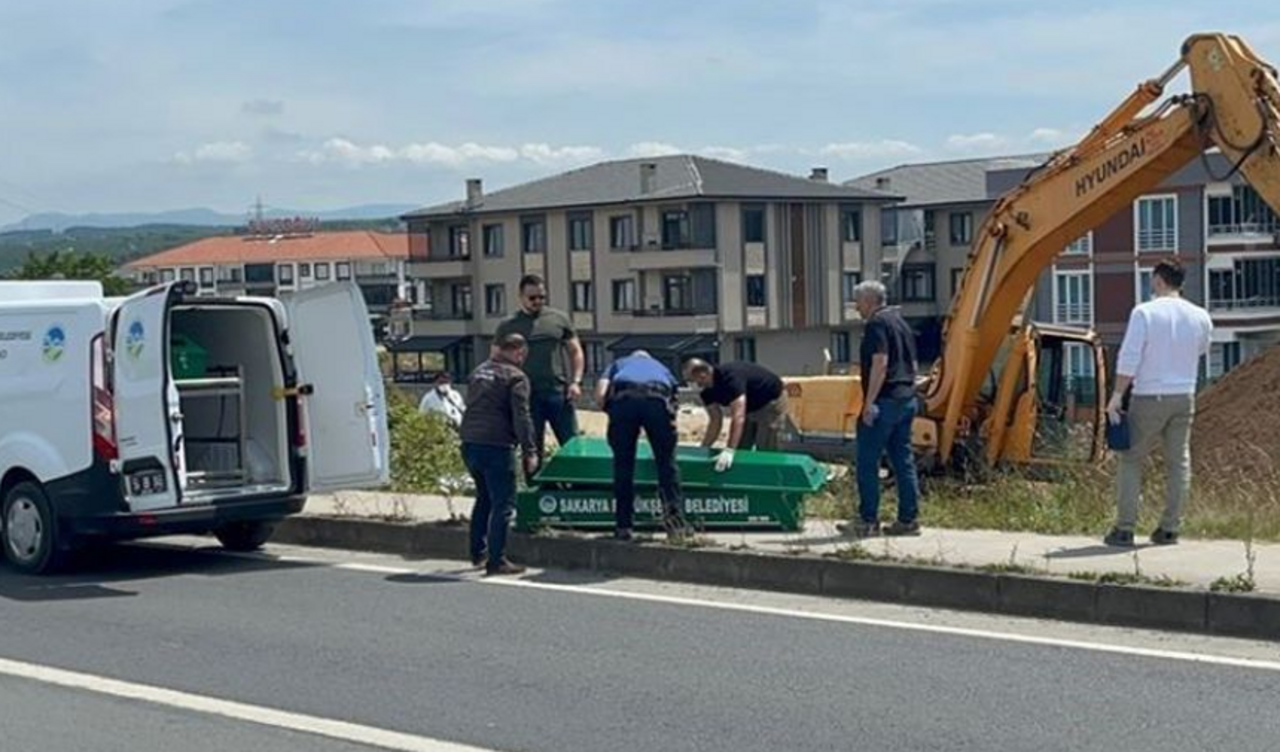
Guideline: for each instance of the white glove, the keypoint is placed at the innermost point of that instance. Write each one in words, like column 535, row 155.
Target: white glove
column 724, row 461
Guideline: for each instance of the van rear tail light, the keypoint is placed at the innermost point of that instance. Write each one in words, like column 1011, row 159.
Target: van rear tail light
column 300, row 438
column 102, row 408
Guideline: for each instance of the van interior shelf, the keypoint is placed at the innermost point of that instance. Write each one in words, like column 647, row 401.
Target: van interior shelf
column 216, row 443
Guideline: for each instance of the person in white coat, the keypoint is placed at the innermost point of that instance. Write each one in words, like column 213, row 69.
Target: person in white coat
column 442, row 398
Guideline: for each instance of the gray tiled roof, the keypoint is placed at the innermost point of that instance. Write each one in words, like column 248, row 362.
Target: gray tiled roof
column 678, row 177
column 958, row 182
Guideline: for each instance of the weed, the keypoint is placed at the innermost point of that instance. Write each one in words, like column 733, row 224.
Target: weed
column 856, row 552
column 1238, row 583
column 1008, row 568
column 1127, row 578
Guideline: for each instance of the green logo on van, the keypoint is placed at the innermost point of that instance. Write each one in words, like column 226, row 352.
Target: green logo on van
column 55, row 344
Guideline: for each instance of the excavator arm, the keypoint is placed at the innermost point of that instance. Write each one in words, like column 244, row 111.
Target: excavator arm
column 1234, row 105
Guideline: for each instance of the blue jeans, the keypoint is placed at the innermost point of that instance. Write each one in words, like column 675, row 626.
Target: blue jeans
column 556, row 409
column 493, row 468
column 891, row 432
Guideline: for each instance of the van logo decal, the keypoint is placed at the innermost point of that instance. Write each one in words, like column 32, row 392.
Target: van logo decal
column 55, row 344
column 134, row 340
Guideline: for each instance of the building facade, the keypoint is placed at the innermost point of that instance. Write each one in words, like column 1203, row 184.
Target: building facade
column 278, row 264
column 681, row 255
column 1226, row 237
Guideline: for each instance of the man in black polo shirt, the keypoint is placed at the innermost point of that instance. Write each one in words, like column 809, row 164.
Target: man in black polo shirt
column 888, row 357
column 756, row 401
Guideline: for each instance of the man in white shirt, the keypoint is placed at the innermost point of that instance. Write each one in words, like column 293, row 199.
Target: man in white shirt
column 1160, row 359
column 444, row 399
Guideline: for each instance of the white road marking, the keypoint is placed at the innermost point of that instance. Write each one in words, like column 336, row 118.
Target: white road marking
column 307, row 724
column 983, row 634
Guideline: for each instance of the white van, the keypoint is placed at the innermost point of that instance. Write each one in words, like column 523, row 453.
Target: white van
column 169, row 413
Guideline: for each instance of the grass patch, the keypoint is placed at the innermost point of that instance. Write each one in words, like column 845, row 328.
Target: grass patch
column 1127, row 578
column 1077, row 500
column 1240, row 583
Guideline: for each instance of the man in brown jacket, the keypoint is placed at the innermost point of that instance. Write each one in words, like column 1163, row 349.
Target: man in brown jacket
column 495, row 422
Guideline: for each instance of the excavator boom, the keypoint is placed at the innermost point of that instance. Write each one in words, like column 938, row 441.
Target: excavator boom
column 1234, row 105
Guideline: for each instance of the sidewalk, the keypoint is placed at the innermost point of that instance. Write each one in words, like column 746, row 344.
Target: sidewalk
column 1194, row 562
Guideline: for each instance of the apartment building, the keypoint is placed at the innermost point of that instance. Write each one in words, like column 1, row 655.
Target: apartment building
column 681, row 255
column 1225, row 235
column 283, row 262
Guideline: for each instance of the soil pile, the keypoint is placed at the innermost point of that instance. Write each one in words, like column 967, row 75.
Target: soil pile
column 1237, row 423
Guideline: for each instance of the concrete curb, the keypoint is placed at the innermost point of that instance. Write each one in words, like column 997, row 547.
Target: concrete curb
column 1237, row 615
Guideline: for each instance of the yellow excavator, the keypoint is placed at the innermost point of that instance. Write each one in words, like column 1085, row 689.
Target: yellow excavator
column 991, row 395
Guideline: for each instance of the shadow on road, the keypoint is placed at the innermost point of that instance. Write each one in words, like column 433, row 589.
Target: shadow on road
column 1085, row 552
column 94, row 572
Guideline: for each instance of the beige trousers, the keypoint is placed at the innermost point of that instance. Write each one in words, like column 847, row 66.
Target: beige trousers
column 1163, row 420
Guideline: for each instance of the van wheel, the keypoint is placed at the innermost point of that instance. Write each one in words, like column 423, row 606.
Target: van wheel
column 30, row 530
column 244, row 536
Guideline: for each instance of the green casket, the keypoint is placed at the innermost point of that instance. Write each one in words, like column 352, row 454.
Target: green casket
column 763, row 490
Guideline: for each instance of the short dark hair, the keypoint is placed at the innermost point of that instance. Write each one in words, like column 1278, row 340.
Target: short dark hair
column 531, row 280
column 509, row 343
column 696, row 367
column 1170, row 270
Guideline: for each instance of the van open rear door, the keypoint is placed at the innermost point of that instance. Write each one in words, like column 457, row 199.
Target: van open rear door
column 345, row 407
column 147, row 410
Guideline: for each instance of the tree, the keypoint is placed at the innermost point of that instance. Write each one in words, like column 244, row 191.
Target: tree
column 72, row 265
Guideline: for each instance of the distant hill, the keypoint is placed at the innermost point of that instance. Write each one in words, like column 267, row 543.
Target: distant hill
column 196, row 217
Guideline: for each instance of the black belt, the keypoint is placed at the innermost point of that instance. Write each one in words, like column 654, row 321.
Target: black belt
column 642, row 390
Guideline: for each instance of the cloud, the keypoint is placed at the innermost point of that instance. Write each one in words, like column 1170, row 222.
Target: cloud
column 976, row 142
column 216, row 151
column 347, row 152
column 871, row 149
column 1048, row 135
column 653, row 149
column 263, row 107
column 727, row 153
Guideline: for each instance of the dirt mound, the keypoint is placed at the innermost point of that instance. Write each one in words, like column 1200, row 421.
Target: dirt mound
column 1237, row 424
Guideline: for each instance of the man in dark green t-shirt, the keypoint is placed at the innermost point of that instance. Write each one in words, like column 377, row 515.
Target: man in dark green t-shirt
column 555, row 384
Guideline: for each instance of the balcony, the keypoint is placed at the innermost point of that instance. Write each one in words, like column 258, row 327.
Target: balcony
column 440, row 323
column 1245, row 305
column 442, row 268
column 428, row 314
column 675, row 259
column 674, row 320
column 1080, row 314
column 1248, row 232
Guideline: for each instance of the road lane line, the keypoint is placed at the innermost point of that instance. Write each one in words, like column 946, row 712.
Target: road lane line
column 307, row 724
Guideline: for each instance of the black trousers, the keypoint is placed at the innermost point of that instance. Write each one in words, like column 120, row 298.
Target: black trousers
column 629, row 413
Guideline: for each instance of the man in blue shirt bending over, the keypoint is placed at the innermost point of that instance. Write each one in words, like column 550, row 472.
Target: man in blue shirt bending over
column 638, row 392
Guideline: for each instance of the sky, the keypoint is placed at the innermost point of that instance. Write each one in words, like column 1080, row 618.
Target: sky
column 147, row 105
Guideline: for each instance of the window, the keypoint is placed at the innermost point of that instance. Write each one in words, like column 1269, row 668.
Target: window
column 839, row 347
column 1073, row 297
column 1144, row 285
column 593, row 354
column 961, row 228
column 304, row 271
column 322, row 271
column 206, row 277
column 757, row 296
column 1078, row 369
column 187, row 275
column 888, row 226
column 1223, row 357
column 1241, row 212
column 848, row 282
column 851, row 225
column 230, row 274
column 284, row 274
column 533, row 236
column 582, row 297
column 342, row 270
column 677, row 293
column 744, row 348
column 1250, row 283
column 957, row 275
column 1157, row 223
column 917, row 283
column 702, row 217
column 1081, row 246
column 675, row 229
column 260, row 274
column 495, row 300
column 460, row 297
column 493, row 240
column 459, row 242
column 624, row 295
column 166, row 275
column 752, row 223
column 580, row 232
column 622, row 232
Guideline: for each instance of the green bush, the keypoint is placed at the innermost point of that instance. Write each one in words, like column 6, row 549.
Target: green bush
column 425, row 453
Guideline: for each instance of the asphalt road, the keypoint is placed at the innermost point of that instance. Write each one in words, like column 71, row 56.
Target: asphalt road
column 523, row 668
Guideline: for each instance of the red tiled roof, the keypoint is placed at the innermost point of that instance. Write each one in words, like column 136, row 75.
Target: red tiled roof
column 320, row 246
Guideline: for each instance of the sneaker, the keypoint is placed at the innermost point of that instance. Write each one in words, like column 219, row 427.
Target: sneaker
column 1162, row 537
column 1119, row 538
column 902, row 529
column 624, row 535
column 504, row 567
column 859, row 529
column 479, row 561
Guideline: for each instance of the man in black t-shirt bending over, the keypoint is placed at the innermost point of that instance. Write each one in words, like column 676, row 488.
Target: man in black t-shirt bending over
column 756, row 401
